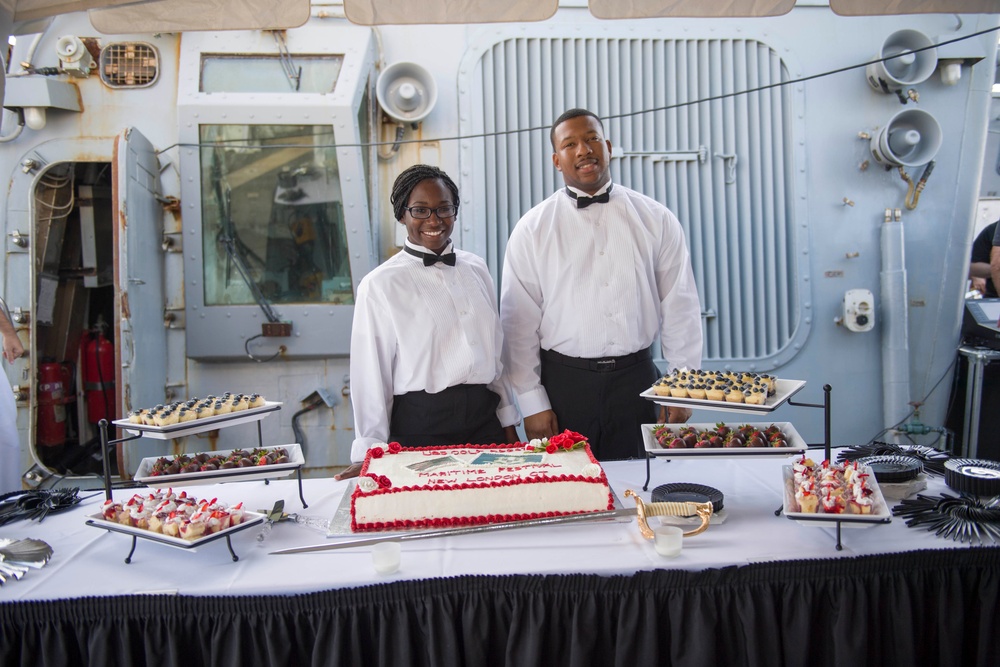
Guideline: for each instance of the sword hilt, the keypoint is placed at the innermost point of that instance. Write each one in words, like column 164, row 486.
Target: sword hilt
column 688, row 508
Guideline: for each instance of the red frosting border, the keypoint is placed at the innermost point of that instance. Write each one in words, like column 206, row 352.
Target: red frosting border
column 459, row 522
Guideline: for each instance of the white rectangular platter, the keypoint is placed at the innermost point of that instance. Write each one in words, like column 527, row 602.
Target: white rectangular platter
column 272, row 471
column 783, row 390
column 198, row 425
column 796, row 445
column 880, row 510
column 98, row 521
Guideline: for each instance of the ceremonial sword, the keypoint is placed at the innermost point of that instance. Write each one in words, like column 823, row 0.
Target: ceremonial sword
column 640, row 511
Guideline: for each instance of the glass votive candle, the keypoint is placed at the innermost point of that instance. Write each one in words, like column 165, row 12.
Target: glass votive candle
column 668, row 540
column 385, row 557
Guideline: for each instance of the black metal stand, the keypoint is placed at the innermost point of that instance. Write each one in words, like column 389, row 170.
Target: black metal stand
column 135, row 540
column 826, row 441
column 826, row 437
column 826, row 417
column 645, row 486
column 105, row 444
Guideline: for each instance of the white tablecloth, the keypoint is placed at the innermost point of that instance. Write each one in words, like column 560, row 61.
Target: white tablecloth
column 90, row 562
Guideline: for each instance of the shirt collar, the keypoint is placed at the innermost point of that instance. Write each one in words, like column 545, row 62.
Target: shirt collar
column 581, row 193
column 448, row 249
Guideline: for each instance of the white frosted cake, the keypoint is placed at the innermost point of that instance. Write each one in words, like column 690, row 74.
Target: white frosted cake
column 465, row 485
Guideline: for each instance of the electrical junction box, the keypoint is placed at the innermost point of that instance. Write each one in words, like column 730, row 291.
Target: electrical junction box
column 859, row 310
column 276, row 329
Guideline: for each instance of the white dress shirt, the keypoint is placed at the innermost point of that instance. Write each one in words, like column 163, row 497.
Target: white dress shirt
column 423, row 328
column 596, row 282
column 10, row 443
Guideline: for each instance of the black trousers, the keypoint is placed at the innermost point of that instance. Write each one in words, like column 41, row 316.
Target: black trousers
column 599, row 398
column 459, row 415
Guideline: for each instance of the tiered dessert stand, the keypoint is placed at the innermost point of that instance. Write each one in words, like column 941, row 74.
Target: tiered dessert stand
column 784, row 391
column 181, row 430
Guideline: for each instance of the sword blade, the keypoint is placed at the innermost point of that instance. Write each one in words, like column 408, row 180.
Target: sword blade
column 448, row 532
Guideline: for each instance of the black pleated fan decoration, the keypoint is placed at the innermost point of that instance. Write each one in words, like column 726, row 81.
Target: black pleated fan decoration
column 932, row 459
column 962, row 518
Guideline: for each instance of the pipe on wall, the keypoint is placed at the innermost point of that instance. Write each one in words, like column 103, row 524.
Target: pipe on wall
column 895, row 326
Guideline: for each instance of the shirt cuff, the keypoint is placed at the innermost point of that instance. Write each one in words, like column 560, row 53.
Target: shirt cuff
column 508, row 416
column 534, row 401
column 360, row 447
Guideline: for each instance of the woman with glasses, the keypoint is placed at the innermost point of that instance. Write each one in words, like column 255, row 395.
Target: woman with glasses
column 426, row 339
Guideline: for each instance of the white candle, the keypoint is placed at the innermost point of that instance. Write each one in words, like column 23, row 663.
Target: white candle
column 385, row 557
column 667, row 540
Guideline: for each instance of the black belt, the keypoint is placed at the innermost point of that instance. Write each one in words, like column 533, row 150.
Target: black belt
column 602, row 365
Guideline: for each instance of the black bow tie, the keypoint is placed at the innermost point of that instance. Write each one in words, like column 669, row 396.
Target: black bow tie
column 430, row 259
column 584, row 202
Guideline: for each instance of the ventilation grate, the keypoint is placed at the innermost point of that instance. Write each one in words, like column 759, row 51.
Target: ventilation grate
column 129, row 65
column 724, row 166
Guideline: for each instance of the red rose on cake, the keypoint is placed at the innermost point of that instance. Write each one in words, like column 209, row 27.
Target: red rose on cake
column 566, row 440
column 395, row 448
column 377, row 452
column 561, row 440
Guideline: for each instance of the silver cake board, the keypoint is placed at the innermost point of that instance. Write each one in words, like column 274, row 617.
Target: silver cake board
column 340, row 523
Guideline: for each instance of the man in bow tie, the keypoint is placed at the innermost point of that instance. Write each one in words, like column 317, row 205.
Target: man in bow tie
column 591, row 276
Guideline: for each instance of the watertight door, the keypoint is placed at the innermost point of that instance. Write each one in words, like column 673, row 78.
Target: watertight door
column 139, row 299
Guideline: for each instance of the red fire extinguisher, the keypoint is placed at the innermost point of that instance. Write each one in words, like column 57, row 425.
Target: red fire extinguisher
column 53, row 382
column 98, row 376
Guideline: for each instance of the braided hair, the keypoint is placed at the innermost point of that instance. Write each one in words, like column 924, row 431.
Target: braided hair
column 409, row 179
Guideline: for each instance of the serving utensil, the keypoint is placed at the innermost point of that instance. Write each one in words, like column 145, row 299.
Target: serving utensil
column 641, row 511
column 36, row 504
column 19, row 556
column 272, row 516
column 962, row 518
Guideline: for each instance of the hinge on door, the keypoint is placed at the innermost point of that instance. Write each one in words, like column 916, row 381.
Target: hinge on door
column 172, row 242
column 173, row 318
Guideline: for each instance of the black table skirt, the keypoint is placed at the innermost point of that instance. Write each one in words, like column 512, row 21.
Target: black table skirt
column 936, row 607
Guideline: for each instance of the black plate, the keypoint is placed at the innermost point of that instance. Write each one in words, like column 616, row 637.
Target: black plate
column 682, row 492
column 890, row 469
column 980, row 477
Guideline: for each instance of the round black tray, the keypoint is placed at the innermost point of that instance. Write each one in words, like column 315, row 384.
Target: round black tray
column 890, row 469
column 979, row 477
column 681, row 492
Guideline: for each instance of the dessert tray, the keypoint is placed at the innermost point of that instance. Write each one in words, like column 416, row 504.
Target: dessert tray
column 198, row 425
column 796, row 445
column 784, row 389
column 98, row 521
column 271, row 471
column 880, row 510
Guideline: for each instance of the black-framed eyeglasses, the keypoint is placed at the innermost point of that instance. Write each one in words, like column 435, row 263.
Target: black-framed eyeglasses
column 424, row 212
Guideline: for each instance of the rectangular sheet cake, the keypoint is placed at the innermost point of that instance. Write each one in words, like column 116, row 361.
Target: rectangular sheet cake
column 464, row 485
